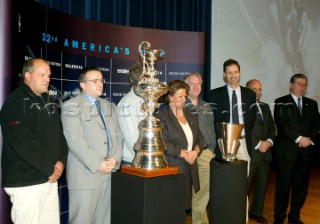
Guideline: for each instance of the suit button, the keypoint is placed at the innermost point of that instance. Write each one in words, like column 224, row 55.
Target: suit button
column 105, row 143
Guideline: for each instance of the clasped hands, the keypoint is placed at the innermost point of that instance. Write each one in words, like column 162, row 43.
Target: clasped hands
column 189, row 156
column 107, row 165
column 264, row 146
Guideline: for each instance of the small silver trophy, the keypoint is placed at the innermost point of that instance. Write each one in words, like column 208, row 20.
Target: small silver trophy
column 229, row 140
column 150, row 148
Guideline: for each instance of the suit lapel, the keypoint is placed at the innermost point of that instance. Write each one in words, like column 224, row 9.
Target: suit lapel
column 174, row 121
column 304, row 106
column 86, row 107
column 107, row 108
column 260, row 108
column 89, row 110
column 244, row 103
column 226, row 104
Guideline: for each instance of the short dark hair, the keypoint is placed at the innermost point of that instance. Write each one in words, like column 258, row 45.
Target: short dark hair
column 173, row 87
column 228, row 63
column 298, row 76
column 135, row 73
column 84, row 72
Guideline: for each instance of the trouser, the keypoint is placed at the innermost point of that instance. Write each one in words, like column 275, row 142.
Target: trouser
column 91, row 206
column 292, row 183
column 258, row 179
column 36, row 204
column 201, row 198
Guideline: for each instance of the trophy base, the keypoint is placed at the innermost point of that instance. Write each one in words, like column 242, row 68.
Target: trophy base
column 233, row 161
column 229, row 159
column 170, row 170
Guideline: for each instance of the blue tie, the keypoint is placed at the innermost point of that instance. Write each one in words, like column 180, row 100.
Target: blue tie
column 100, row 111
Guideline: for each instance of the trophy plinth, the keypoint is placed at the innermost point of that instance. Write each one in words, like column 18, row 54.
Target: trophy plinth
column 229, row 140
column 150, row 148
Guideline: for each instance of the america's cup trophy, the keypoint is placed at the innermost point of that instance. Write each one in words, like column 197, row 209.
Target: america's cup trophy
column 150, row 148
column 229, row 140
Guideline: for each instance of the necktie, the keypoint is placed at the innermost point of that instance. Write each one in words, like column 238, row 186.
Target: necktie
column 104, row 122
column 299, row 105
column 235, row 115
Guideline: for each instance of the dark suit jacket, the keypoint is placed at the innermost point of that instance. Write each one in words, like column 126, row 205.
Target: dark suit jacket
column 175, row 140
column 220, row 103
column 290, row 125
column 262, row 130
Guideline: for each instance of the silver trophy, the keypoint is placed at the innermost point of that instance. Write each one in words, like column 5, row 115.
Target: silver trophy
column 150, row 148
column 229, row 140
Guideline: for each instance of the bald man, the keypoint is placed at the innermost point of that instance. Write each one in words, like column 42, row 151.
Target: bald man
column 35, row 150
column 262, row 137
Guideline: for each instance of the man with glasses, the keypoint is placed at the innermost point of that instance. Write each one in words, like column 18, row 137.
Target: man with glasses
column 297, row 121
column 94, row 138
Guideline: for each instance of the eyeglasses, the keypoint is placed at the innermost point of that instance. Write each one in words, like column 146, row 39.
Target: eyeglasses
column 301, row 85
column 95, row 81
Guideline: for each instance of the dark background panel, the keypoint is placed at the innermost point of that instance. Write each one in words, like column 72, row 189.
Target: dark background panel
column 72, row 65
column 118, row 91
column 55, row 60
column 120, row 70
column 179, row 70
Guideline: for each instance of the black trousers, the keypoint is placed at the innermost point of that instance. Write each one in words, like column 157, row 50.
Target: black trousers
column 292, row 179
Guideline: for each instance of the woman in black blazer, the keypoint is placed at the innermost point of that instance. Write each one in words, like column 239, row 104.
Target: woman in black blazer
column 181, row 135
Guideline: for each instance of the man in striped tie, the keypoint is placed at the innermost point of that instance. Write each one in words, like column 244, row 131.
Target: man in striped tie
column 297, row 129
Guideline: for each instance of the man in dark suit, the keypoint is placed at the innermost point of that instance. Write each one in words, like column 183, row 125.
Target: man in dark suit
column 232, row 103
column 297, row 121
column 262, row 138
column 221, row 98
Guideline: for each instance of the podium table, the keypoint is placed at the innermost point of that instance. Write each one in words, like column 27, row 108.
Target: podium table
column 228, row 192
column 139, row 200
